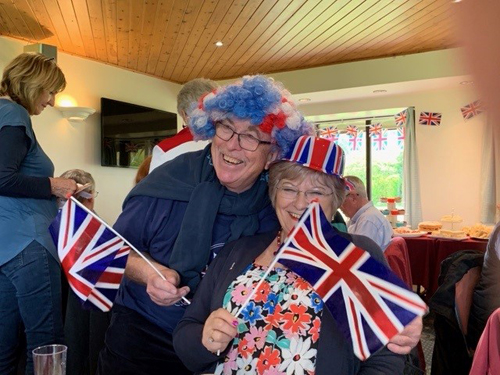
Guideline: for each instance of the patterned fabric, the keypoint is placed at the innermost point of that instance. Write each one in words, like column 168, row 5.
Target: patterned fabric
column 279, row 329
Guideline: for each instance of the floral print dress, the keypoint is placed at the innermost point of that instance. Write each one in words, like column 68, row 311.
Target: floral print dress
column 278, row 330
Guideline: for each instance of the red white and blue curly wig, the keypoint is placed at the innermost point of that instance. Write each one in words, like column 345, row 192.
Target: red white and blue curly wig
column 261, row 100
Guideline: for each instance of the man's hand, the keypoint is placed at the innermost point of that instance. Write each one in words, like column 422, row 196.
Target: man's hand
column 408, row 339
column 165, row 292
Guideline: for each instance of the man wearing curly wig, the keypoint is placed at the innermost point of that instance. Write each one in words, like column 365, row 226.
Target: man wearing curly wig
column 186, row 210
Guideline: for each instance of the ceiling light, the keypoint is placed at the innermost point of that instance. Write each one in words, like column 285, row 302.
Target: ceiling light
column 219, row 43
column 379, row 91
column 304, row 100
column 467, row 82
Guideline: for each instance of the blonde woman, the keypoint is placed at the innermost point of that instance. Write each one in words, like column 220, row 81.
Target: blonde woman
column 30, row 275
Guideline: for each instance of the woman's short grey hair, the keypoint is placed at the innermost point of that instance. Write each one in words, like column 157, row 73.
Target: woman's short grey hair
column 191, row 92
column 285, row 170
column 81, row 177
column 359, row 186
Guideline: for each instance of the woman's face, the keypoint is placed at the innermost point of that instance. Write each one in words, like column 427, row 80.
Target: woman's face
column 237, row 169
column 290, row 209
column 45, row 99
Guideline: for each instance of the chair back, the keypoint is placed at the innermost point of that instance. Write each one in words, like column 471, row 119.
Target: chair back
column 398, row 259
column 464, row 290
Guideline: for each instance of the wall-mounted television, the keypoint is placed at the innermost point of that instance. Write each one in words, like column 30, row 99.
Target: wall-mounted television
column 129, row 132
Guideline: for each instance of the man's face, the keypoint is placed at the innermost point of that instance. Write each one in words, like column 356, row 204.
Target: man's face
column 350, row 205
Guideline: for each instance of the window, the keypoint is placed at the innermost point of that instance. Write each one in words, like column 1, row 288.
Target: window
column 374, row 152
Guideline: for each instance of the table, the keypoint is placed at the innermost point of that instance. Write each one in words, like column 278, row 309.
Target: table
column 426, row 255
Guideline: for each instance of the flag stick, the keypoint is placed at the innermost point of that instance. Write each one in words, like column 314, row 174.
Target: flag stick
column 124, row 240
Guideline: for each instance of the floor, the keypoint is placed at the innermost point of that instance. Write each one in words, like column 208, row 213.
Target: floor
column 428, row 341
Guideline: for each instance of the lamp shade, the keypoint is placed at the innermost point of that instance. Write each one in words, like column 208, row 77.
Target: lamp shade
column 76, row 114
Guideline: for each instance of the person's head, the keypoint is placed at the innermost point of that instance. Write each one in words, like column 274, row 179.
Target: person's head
column 312, row 169
column 251, row 123
column 86, row 196
column 356, row 196
column 32, row 80
column 191, row 92
column 143, row 170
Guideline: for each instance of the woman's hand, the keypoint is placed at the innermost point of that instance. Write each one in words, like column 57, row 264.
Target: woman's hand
column 62, row 187
column 408, row 338
column 165, row 292
column 219, row 330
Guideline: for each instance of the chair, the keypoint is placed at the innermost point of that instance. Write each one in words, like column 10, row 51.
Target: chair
column 464, row 290
column 398, row 259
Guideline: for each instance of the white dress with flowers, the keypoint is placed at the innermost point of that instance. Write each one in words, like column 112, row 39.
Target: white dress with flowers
column 279, row 329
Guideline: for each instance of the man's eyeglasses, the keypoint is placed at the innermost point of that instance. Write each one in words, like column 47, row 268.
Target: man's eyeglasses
column 291, row 192
column 246, row 141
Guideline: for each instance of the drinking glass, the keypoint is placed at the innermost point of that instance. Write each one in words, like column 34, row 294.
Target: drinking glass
column 50, row 360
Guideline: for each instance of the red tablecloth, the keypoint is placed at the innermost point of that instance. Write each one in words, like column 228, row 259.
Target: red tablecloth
column 426, row 255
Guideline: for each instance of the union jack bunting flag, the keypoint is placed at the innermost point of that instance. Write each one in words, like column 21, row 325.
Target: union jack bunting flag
column 356, row 141
column 318, row 154
column 375, row 129
column 400, row 118
column 369, row 303
column 329, row 133
column 352, row 131
column 429, row 118
column 472, row 109
column 380, row 141
column 401, row 137
column 92, row 256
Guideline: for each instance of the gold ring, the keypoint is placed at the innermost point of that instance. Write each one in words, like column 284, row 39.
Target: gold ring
column 210, row 339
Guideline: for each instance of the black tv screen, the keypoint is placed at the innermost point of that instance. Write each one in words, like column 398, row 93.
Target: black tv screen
column 129, row 132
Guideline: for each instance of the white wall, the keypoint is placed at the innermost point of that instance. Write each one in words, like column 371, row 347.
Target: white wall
column 78, row 145
column 449, row 155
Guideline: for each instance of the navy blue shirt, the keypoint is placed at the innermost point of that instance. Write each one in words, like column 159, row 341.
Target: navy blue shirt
column 152, row 226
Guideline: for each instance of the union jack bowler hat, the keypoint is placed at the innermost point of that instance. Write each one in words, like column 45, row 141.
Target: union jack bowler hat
column 320, row 154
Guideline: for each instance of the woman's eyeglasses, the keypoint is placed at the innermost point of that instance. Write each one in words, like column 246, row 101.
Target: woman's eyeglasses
column 246, row 141
column 291, row 192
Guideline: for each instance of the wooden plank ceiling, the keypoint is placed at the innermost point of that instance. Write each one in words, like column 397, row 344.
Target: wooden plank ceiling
column 175, row 39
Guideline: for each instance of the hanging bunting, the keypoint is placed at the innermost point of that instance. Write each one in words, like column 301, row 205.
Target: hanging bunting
column 375, row 129
column 400, row 118
column 131, row 147
column 471, row 110
column 329, row 133
column 352, row 130
column 401, row 137
column 430, row 118
column 379, row 142
column 356, row 141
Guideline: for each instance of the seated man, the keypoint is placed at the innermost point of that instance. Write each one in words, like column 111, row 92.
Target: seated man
column 365, row 219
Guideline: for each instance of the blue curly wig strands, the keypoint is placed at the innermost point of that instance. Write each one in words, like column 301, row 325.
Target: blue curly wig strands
column 261, row 100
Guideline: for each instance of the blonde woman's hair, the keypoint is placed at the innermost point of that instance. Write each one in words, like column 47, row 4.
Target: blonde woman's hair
column 286, row 170
column 28, row 75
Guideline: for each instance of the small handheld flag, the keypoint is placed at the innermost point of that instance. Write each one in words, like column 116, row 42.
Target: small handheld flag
column 369, row 302
column 92, row 254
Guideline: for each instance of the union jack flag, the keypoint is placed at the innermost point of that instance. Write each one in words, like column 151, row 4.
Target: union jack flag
column 352, row 131
column 369, row 303
column 380, row 141
column 92, row 255
column 329, row 133
column 356, row 141
column 429, row 118
column 472, row 109
column 349, row 186
column 401, row 137
column 375, row 129
column 310, row 152
column 400, row 118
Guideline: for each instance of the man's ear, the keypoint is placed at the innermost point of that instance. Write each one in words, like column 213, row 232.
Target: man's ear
column 272, row 156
